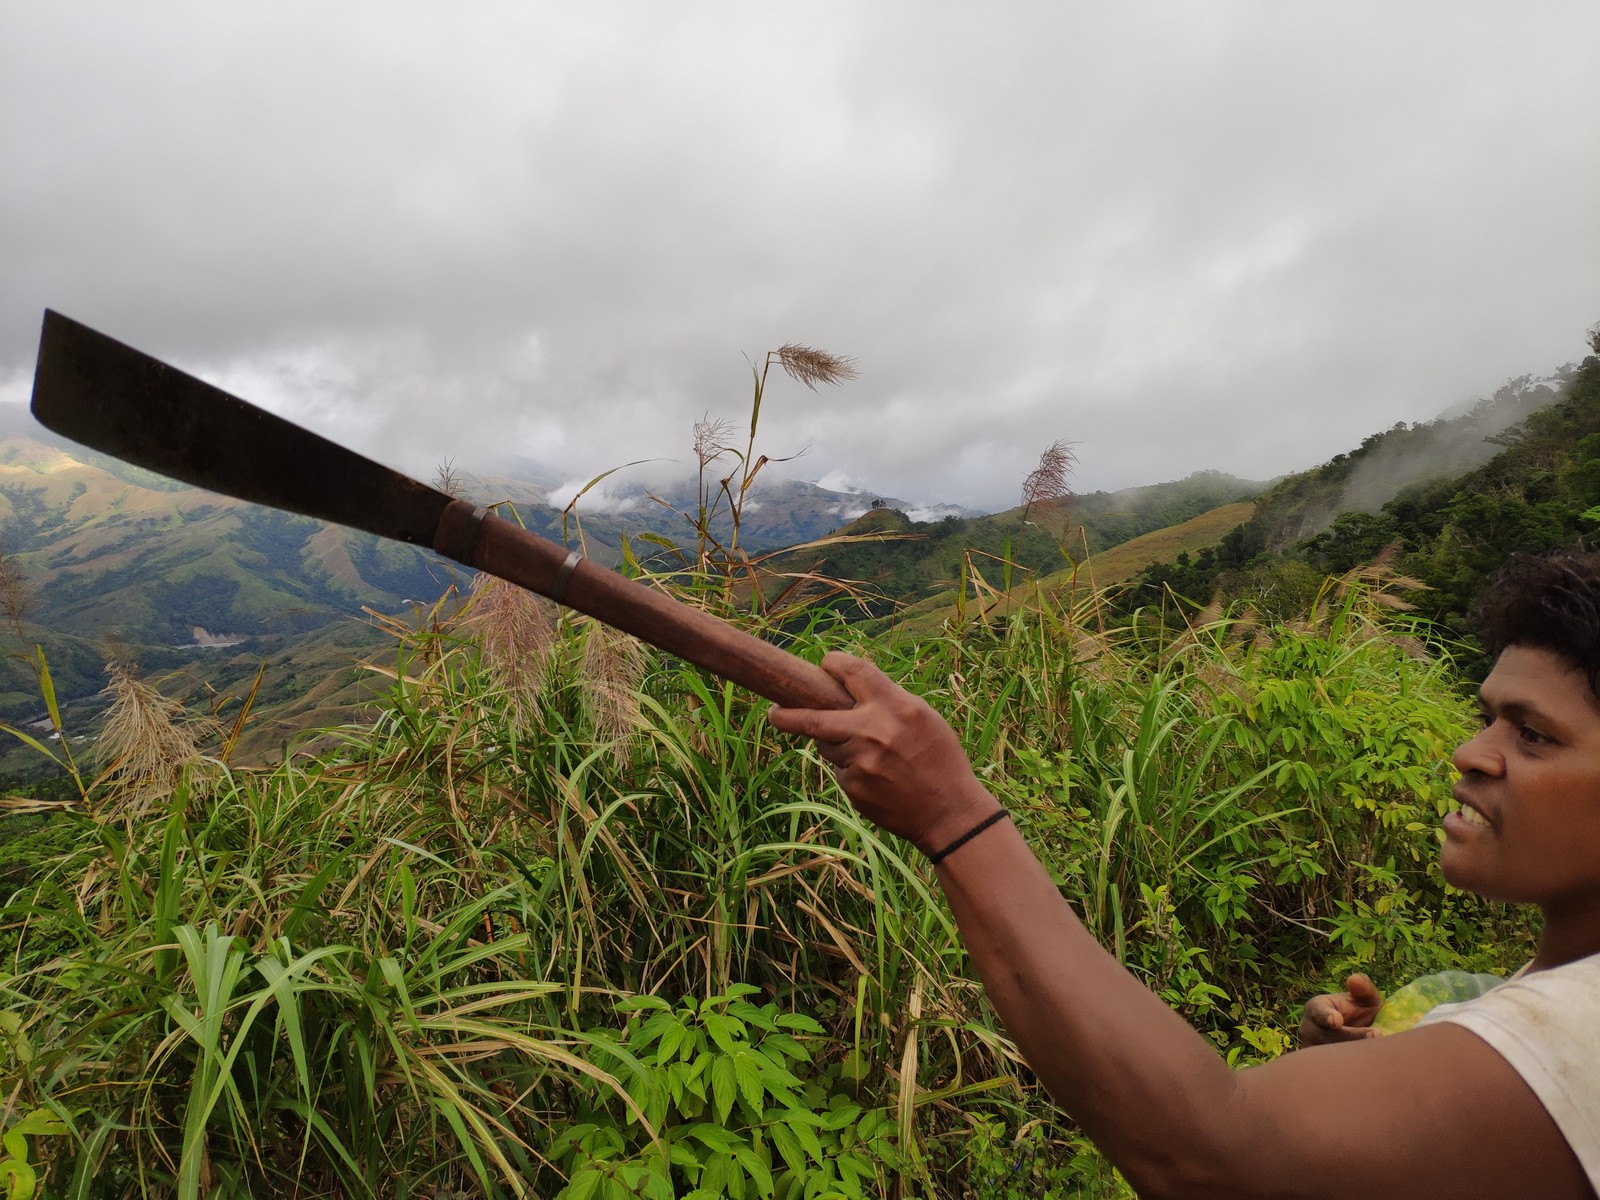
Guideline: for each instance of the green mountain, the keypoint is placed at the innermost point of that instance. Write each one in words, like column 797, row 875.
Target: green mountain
column 1104, row 569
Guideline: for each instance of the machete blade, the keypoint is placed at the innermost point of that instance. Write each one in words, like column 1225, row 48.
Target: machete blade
column 120, row 401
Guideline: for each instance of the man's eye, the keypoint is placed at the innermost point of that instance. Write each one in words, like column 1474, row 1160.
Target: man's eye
column 1531, row 736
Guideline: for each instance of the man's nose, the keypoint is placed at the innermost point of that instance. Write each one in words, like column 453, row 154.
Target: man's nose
column 1478, row 753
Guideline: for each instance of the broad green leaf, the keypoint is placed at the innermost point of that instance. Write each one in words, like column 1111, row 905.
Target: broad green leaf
column 787, row 1144
column 748, row 1074
column 633, row 1004
column 760, row 1173
column 798, row 1021
column 582, row 1186
column 842, row 1116
column 724, row 1087
column 713, row 1137
column 725, row 1031
column 671, row 1042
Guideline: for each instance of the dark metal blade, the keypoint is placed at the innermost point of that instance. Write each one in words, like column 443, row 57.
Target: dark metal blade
column 120, row 401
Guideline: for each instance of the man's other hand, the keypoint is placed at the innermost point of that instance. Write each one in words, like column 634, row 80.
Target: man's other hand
column 1341, row 1016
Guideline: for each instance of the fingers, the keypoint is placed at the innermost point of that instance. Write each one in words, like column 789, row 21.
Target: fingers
column 1323, row 1012
column 1362, row 991
column 861, row 678
column 836, row 753
column 1316, row 1035
column 822, row 725
column 1323, row 1024
column 1358, row 1033
column 1314, row 1029
column 1342, row 1017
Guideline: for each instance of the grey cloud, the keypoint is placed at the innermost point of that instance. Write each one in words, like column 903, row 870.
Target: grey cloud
column 1235, row 236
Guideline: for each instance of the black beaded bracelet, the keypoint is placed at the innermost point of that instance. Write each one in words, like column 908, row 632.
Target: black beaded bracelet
column 991, row 819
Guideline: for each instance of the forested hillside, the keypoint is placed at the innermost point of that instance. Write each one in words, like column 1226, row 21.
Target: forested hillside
column 1404, row 498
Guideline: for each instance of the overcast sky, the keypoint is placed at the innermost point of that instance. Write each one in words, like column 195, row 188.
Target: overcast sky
column 1180, row 236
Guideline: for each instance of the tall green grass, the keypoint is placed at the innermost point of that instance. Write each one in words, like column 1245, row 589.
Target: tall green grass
column 492, row 943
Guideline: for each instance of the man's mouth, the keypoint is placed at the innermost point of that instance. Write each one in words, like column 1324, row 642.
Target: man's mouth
column 1469, row 813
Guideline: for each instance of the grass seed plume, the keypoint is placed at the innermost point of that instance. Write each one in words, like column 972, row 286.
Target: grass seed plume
column 1048, row 482
column 516, row 630
column 147, row 740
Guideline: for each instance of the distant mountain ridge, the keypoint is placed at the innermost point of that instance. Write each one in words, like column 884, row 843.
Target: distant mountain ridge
column 109, row 550
column 929, row 558
column 778, row 512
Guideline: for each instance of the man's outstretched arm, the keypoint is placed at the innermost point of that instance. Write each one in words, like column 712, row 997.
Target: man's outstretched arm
column 1434, row 1112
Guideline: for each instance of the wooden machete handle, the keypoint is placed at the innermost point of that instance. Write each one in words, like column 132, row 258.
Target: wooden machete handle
column 506, row 550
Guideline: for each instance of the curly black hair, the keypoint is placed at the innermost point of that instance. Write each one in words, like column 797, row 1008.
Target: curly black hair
column 1547, row 602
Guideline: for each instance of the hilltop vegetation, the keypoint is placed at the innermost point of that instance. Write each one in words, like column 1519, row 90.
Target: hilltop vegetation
column 106, row 551
column 1535, row 487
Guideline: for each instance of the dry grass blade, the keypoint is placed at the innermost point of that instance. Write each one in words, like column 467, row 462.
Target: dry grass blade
column 906, row 1102
column 516, row 632
column 1047, row 482
column 811, row 367
column 231, row 737
column 30, row 804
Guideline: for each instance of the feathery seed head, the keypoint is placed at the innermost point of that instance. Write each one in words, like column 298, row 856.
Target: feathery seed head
column 146, row 743
column 1048, row 481
column 710, row 439
column 516, row 632
column 613, row 672
column 448, row 480
column 16, row 597
column 811, row 367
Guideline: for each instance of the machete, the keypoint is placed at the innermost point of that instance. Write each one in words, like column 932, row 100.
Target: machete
column 120, row 401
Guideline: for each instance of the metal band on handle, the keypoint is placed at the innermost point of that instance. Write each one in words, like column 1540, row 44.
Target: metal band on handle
column 563, row 579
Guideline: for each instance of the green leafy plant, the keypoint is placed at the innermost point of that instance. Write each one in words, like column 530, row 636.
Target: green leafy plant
column 20, row 1180
column 725, row 1111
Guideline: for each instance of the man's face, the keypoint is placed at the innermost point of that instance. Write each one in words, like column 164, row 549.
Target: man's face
column 1529, row 827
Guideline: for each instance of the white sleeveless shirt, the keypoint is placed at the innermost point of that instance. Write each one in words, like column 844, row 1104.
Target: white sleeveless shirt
column 1546, row 1024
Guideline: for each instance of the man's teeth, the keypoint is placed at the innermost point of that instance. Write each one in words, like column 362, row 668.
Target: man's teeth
column 1473, row 817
